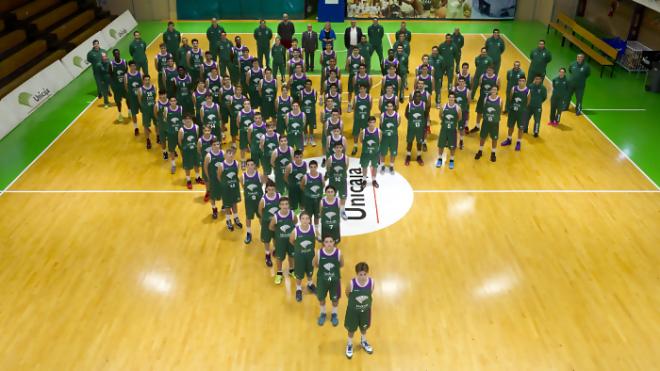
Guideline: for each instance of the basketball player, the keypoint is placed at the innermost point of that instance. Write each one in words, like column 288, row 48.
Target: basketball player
column 462, row 94
column 210, row 116
column 512, row 77
column 293, row 174
column 303, row 241
column 147, row 98
column 245, row 118
column 207, row 66
column 362, row 104
column 204, row 146
column 358, row 311
column 336, row 173
column 402, row 59
column 256, row 131
column 160, row 109
column 283, row 107
column 308, row 105
column 297, row 81
column 236, row 105
column 416, row 116
column 268, row 92
column 312, row 186
column 537, row 95
column 282, row 224
column 183, row 87
column 195, row 59
column 229, row 188
column 268, row 206
column 450, row 116
column 244, row 65
column 170, row 73
column 393, row 81
column 254, row 76
column 353, row 63
column 267, row 145
column 330, row 212
column 295, row 122
column 188, row 136
column 389, row 126
column 492, row 108
column 198, row 98
column 519, row 101
column 328, row 263
column 295, row 60
column 253, row 191
column 486, row 82
column 160, row 62
column 212, row 162
column 279, row 159
column 335, row 137
column 370, row 137
column 132, row 84
column 214, row 84
column 438, row 66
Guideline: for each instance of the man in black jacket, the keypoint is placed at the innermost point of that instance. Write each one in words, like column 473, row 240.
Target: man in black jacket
column 310, row 42
column 352, row 37
column 285, row 30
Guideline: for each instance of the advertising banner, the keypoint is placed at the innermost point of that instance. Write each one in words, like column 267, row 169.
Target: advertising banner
column 432, row 9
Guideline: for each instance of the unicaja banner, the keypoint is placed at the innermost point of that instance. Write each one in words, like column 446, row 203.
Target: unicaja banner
column 432, row 9
column 119, row 28
column 18, row 104
column 76, row 61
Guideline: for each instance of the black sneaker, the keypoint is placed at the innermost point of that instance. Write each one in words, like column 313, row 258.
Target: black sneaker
column 478, row 155
column 354, row 151
column 474, row 130
column 460, row 144
column 407, row 161
column 536, row 135
column 238, row 223
column 298, row 295
column 311, row 288
column 214, row 215
column 391, row 169
column 248, row 238
column 323, row 162
column 374, row 184
column 165, row 156
column 157, row 139
column 269, row 261
column 493, row 158
column 364, row 183
column 136, row 132
column 424, row 147
column 230, row 227
column 148, row 143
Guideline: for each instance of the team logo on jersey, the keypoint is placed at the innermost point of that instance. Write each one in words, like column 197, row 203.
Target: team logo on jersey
column 285, row 228
column 211, row 117
column 252, row 187
column 315, row 188
column 417, row 115
column 490, row 110
column 328, row 266
column 361, row 299
column 299, row 176
column 370, row 210
column 231, row 175
column 371, row 142
column 273, row 210
column 449, row 117
column 305, row 244
column 330, row 214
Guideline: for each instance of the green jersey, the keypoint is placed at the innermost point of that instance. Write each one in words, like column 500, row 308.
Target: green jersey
column 247, row 118
column 389, row 124
column 487, row 82
column 359, row 299
column 481, row 62
column 148, row 100
column 329, row 266
column 354, row 64
column 449, row 52
column 449, row 117
column 170, row 76
column 325, row 60
column 405, row 45
column 182, row 53
column 438, row 63
column 408, row 35
column 210, row 116
column 284, row 225
column 512, row 77
column 237, row 104
column 268, row 91
column 538, row 94
column 282, row 159
column 224, row 50
column 314, row 186
column 278, row 52
column 362, row 110
column 252, row 188
column 196, row 59
column 138, row 50
column 297, row 173
column 337, row 170
column 118, row 72
column 417, row 114
column 226, row 95
column 258, row 132
column 183, row 87
column 519, row 99
column 305, row 241
column 365, row 51
column 214, row 86
column 461, row 97
column 190, row 138
column 308, row 102
column 330, row 215
column 495, row 48
column 200, row 98
column 361, row 80
column 370, row 142
column 492, row 110
column 172, row 39
column 458, row 40
column 161, row 62
column 403, row 59
column 94, row 58
column 271, row 206
column 296, row 124
column 270, row 143
column 392, row 81
column 134, row 82
column 385, row 99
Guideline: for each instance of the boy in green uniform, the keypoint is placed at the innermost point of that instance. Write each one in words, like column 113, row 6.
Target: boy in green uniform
column 245, row 118
column 450, row 55
column 539, row 59
column 204, row 144
column 403, row 59
column 293, row 175
column 138, row 51
column 171, row 38
column 213, row 35
column 481, row 63
column 209, row 114
column 416, row 114
column 303, row 241
column 253, row 79
column 308, row 99
column 182, row 54
column 462, row 94
column 328, row 263
column 263, row 35
column 188, row 136
column 160, row 109
column 256, row 132
column 358, row 311
column 267, row 145
column 195, row 60
column 519, row 96
column 198, row 98
column 495, row 48
column 160, row 62
column 229, row 188
column 226, row 93
column 561, row 95
column 279, row 159
column 438, row 63
column 537, row 95
column 183, row 86
column 389, row 126
column 224, row 51
column 312, row 186
column 118, row 68
column 212, row 162
column 268, row 206
column 450, row 116
column 278, row 52
column 492, row 110
column 174, row 120
column 512, row 77
column 282, row 224
column 390, row 87
column 331, row 210
column 486, row 81
column 169, row 75
column 579, row 72
column 362, row 104
column 147, row 99
column 268, row 92
column 244, row 65
column 336, row 169
column 376, row 32
column 253, row 191
column 295, row 122
column 297, row 81
column 282, row 108
column 132, row 84
column 236, row 105
column 370, row 137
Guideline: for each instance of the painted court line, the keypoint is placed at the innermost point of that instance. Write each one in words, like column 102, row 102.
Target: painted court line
column 615, row 109
column 182, row 191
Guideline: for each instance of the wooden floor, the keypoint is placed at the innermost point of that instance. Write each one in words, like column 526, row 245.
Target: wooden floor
column 482, row 273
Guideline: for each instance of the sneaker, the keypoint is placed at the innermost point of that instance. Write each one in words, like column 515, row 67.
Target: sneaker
column 242, row 165
column 460, row 144
column 136, row 131
column 536, row 135
column 438, row 163
column 424, row 147
column 173, row 169
column 189, row 184
column 207, row 196
column 343, row 215
column 292, row 273
column 578, row 112
column 392, row 170
column 298, row 295
column 334, row 320
column 451, row 164
column 157, row 139
column 106, row 106
column 474, row 129
column 199, row 180
column 478, row 155
column 367, row 348
column 278, row 278
column 120, row 118
column 248, row 238
column 467, row 130
column 214, row 213
column 506, row 142
column 364, row 183
column 407, row 162
column 311, row 288
column 312, row 142
column 551, row 123
column 349, row 351
column 321, row 319
column 354, row 151
column 269, row 261
column 374, row 184
column 420, row 161
column 382, row 169
column 493, row 158
column 230, row 227
column 238, row 223
column 165, row 156
column 176, row 154
column 517, row 146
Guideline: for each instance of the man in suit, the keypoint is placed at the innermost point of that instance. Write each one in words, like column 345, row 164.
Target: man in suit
column 286, row 30
column 310, row 42
column 352, row 37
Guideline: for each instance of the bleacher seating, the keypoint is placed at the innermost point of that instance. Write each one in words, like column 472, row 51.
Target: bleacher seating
column 95, row 27
column 72, row 25
column 22, row 57
column 47, row 20
column 12, row 40
column 43, row 63
column 9, row 5
column 33, row 8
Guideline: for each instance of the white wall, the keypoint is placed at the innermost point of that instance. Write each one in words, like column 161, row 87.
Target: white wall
column 143, row 10
column 535, row 10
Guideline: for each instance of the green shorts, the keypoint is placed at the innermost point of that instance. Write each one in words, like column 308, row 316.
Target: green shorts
column 233, row 125
column 224, row 114
column 256, row 155
column 133, row 104
column 295, row 196
column 355, row 319
column 367, row 160
column 243, row 140
column 328, row 288
column 266, row 234
column 310, row 120
column 389, row 144
column 162, row 131
column 251, row 208
column 447, row 138
column 311, row 205
column 480, row 104
column 303, row 265
column 172, row 141
column 351, row 87
column 516, row 118
column 283, row 248
column 295, row 140
column 215, row 190
column 490, row 129
column 118, row 93
column 415, row 134
column 341, row 187
column 357, row 127
column 189, row 159
column 230, row 196
column 147, row 119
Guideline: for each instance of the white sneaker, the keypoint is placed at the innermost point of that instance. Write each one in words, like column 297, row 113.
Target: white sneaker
column 343, row 215
column 349, row 351
column 382, row 169
column 312, row 142
column 367, row 348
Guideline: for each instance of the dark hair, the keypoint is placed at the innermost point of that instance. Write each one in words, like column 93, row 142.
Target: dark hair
column 465, row 64
column 361, row 267
column 193, row 40
column 298, row 152
column 282, row 199
column 162, row 91
column 330, row 187
column 170, row 23
column 146, row 75
column 313, row 162
column 249, row 160
column 372, row 118
column 270, row 183
column 131, row 62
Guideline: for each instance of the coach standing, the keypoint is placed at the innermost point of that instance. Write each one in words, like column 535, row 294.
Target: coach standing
column 263, row 35
column 138, row 51
column 459, row 41
column 94, row 59
column 213, row 35
column 494, row 49
column 172, row 39
column 352, row 37
column 403, row 30
column 286, row 30
column 327, row 35
column 310, row 42
column 578, row 71
column 376, row 34
column 539, row 57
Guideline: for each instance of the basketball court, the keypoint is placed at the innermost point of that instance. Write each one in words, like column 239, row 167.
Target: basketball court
column 544, row 260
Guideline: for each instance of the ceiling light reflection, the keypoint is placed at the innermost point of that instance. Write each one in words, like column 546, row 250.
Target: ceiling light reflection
column 461, row 206
column 497, row 285
column 158, row 282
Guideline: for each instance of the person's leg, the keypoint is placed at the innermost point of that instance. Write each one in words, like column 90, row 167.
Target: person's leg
column 579, row 94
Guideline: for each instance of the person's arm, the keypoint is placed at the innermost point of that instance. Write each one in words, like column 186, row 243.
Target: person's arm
column 207, row 160
column 131, row 49
column 292, row 237
column 303, row 183
column 349, row 286
column 180, row 140
column 249, row 134
column 549, row 57
column 260, row 207
column 271, row 225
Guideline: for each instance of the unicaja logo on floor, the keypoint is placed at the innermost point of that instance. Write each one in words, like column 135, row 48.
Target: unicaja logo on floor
column 370, row 209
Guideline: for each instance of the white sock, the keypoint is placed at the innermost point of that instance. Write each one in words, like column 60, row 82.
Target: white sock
column 452, row 157
column 249, row 229
column 317, row 227
column 408, row 153
column 518, row 140
column 509, row 137
column 481, row 148
column 187, row 178
column 323, row 308
column 173, row 163
column 492, row 150
column 135, row 125
column 309, row 281
column 298, row 287
column 334, row 310
column 350, row 341
column 363, row 337
column 228, row 217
